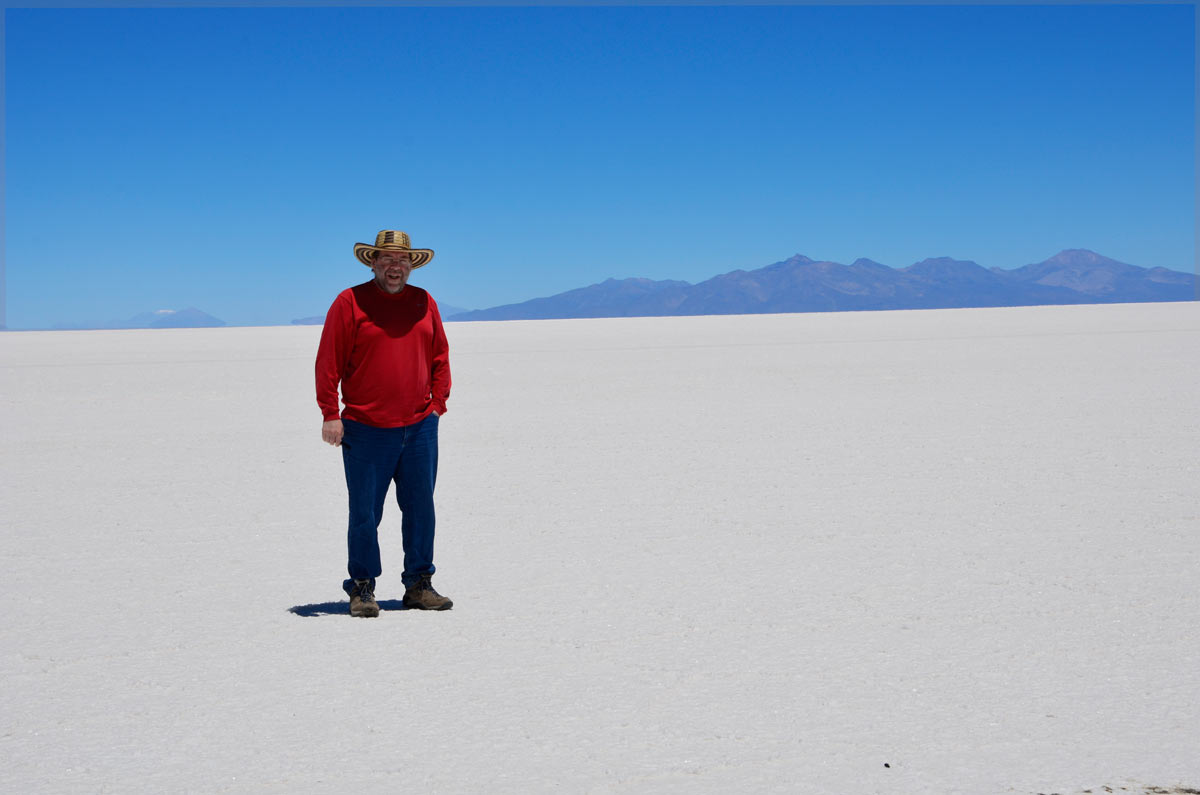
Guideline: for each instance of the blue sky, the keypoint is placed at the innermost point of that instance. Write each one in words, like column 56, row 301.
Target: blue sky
column 229, row 159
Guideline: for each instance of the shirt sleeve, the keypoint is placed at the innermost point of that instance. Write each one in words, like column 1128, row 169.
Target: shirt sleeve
column 441, row 362
column 337, row 340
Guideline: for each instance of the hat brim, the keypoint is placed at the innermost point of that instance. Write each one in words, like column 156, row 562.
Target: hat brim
column 365, row 253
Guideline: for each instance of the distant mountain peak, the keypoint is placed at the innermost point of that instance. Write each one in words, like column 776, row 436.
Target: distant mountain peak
column 1081, row 257
column 944, row 261
column 1091, row 274
column 947, row 268
column 185, row 318
column 155, row 318
column 793, row 261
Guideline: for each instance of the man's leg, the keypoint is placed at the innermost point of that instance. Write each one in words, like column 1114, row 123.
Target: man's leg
column 416, row 475
column 369, row 458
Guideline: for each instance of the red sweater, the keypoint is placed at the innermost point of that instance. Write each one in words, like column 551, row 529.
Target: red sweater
column 389, row 352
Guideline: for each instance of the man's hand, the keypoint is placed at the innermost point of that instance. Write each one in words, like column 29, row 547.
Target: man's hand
column 331, row 432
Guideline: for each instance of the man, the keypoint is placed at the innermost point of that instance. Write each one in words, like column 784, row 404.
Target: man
column 384, row 343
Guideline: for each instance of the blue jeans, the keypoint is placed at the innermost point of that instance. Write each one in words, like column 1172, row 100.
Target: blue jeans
column 373, row 459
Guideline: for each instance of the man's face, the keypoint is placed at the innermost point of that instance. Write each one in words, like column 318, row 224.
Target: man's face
column 392, row 269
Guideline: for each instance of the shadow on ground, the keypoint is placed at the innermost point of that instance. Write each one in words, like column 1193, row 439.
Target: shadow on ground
column 1134, row 789
column 340, row 608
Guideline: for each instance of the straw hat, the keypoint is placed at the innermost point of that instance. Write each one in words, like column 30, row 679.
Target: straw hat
column 392, row 240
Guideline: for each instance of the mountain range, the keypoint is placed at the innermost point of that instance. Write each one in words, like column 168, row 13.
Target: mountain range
column 800, row 284
column 160, row 318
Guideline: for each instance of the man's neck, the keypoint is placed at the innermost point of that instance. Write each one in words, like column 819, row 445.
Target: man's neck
column 383, row 288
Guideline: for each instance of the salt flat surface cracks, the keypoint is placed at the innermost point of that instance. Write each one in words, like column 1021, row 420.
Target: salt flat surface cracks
column 755, row 553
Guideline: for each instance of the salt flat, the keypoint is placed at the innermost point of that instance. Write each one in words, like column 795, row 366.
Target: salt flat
column 944, row 551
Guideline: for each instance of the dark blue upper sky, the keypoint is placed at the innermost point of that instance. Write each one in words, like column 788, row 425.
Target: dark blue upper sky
column 230, row 158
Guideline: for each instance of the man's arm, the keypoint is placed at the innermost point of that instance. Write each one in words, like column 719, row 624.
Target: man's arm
column 337, row 340
column 440, row 375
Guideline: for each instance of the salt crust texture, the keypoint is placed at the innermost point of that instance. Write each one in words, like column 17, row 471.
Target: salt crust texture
column 944, row 551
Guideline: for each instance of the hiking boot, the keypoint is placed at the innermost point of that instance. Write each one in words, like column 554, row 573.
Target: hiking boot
column 420, row 595
column 362, row 600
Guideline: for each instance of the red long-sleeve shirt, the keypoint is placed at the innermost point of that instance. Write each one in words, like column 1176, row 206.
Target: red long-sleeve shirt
column 389, row 352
